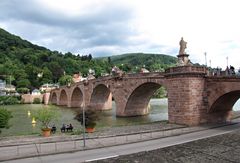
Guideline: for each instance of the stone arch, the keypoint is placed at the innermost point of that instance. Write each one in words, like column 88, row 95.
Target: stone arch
column 77, row 97
column 138, row 101
column 101, row 98
column 221, row 109
column 54, row 98
column 63, row 98
column 225, row 102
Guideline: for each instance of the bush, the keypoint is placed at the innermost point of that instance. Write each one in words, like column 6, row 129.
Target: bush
column 5, row 115
column 22, row 90
column 9, row 100
column 37, row 101
column 45, row 116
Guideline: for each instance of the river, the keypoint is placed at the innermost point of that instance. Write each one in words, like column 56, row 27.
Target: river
column 21, row 121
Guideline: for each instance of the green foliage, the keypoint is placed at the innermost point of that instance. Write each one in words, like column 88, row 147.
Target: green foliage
column 132, row 62
column 5, row 115
column 9, row 100
column 160, row 93
column 23, row 83
column 91, row 117
column 22, row 90
column 45, row 117
column 65, row 80
column 37, row 101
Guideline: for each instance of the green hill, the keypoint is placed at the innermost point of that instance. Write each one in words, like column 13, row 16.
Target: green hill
column 152, row 62
column 22, row 62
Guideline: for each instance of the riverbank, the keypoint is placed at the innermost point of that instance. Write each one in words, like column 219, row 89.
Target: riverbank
column 100, row 132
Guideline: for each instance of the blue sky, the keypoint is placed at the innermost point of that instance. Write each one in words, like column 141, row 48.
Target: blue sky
column 110, row 27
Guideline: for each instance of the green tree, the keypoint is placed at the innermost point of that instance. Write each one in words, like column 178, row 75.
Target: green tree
column 22, row 90
column 65, row 80
column 23, row 83
column 47, row 76
column 5, row 115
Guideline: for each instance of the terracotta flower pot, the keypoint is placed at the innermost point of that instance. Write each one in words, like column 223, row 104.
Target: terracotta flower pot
column 90, row 130
column 46, row 132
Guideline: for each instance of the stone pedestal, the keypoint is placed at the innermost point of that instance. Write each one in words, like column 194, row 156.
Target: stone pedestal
column 183, row 60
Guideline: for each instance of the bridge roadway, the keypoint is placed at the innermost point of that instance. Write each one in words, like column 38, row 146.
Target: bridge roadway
column 114, row 151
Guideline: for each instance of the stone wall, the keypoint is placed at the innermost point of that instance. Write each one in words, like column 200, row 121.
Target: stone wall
column 28, row 98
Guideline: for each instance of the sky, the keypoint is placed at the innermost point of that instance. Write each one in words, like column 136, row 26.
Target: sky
column 112, row 27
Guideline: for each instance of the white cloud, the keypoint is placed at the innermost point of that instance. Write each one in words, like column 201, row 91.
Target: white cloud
column 113, row 27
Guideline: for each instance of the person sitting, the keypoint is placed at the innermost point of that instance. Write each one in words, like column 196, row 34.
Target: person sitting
column 63, row 128
column 232, row 70
column 69, row 127
column 53, row 129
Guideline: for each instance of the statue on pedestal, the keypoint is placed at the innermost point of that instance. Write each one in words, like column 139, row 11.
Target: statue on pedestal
column 183, row 56
column 183, row 46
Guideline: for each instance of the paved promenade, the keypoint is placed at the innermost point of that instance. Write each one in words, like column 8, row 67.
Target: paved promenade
column 39, row 146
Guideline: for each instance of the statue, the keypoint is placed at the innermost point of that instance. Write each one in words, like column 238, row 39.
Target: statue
column 183, row 46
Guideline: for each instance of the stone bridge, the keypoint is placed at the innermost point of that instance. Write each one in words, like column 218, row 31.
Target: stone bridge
column 194, row 97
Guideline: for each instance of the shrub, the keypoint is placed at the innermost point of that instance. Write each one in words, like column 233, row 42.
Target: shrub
column 5, row 115
column 9, row 100
column 37, row 101
column 45, row 116
column 22, row 90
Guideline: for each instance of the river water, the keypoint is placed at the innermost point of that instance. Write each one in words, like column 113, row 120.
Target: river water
column 21, row 121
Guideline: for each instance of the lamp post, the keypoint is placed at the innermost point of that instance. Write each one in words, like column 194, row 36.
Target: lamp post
column 210, row 63
column 83, row 110
column 205, row 58
column 227, row 61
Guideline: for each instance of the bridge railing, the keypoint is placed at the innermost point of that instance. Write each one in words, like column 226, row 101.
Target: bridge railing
column 186, row 69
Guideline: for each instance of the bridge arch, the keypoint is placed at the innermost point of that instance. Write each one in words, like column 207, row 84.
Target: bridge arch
column 101, row 97
column 54, row 98
column 221, row 109
column 138, row 101
column 76, row 97
column 63, row 98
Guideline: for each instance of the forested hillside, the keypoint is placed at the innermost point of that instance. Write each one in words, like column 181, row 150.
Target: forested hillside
column 152, row 62
column 28, row 66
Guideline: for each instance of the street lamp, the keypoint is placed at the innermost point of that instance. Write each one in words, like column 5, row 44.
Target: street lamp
column 227, row 61
column 205, row 58
column 83, row 110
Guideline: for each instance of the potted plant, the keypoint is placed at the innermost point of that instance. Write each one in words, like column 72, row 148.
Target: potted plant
column 90, row 119
column 45, row 116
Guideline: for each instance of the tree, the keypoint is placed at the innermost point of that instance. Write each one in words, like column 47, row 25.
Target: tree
column 22, row 90
column 23, row 83
column 65, row 80
column 47, row 76
column 56, row 69
column 5, row 115
column 45, row 116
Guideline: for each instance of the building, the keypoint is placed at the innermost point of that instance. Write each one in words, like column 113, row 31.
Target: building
column 10, row 89
column 36, row 92
column 2, row 88
column 48, row 87
column 77, row 77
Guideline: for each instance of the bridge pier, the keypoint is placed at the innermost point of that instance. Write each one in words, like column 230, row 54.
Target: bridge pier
column 185, row 87
column 103, row 105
